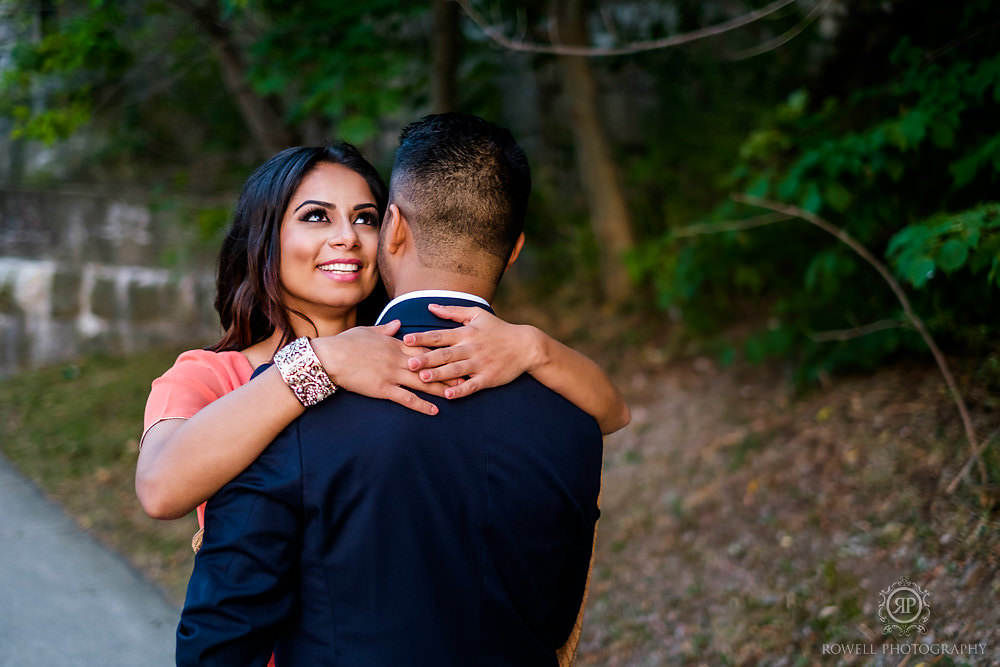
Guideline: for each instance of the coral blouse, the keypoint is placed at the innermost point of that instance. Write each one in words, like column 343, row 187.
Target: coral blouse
column 197, row 378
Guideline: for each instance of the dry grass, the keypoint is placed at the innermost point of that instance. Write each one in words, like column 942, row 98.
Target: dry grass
column 74, row 430
column 747, row 525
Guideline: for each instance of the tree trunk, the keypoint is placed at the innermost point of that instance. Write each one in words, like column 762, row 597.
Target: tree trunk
column 263, row 121
column 444, row 56
column 599, row 175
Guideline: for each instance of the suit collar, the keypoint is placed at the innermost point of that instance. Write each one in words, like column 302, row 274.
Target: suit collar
column 411, row 310
column 439, row 296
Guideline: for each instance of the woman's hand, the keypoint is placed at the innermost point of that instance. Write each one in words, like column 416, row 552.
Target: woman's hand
column 370, row 362
column 488, row 352
column 485, row 352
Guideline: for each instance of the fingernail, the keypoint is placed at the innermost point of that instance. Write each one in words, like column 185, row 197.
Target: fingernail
column 408, row 339
column 426, row 376
column 448, row 393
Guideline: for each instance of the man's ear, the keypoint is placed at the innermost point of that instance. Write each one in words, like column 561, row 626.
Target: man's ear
column 395, row 231
column 516, row 251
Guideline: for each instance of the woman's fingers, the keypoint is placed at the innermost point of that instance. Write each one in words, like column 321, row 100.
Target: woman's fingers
column 434, row 388
column 439, row 338
column 388, row 329
column 408, row 399
column 448, row 371
column 370, row 362
column 411, row 380
column 412, row 353
column 439, row 357
column 462, row 389
column 436, row 338
column 485, row 352
column 463, row 314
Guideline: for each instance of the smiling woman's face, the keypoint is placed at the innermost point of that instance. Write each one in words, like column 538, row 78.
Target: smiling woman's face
column 329, row 235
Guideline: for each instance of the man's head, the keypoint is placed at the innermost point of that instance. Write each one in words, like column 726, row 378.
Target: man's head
column 458, row 195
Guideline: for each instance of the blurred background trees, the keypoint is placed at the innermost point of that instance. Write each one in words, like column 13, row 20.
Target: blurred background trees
column 880, row 116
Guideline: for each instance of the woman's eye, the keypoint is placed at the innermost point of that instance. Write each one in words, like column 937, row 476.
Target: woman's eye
column 366, row 218
column 317, row 215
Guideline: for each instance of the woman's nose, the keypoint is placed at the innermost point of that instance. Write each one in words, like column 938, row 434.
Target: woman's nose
column 343, row 234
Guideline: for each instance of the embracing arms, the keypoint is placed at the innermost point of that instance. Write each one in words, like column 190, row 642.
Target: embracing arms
column 183, row 461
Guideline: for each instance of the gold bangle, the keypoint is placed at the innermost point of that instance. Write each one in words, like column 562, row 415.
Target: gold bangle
column 302, row 371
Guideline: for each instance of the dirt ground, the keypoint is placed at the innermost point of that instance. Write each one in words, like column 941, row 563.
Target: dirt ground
column 746, row 523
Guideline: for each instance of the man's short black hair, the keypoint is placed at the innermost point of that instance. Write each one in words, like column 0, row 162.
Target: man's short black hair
column 462, row 182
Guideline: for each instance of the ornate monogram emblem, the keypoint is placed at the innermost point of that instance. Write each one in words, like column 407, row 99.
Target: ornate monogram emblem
column 903, row 608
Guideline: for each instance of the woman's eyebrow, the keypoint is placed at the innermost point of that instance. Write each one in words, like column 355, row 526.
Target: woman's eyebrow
column 316, row 202
column 361, row 206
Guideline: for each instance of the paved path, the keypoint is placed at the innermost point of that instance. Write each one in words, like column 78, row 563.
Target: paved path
column 64, row 599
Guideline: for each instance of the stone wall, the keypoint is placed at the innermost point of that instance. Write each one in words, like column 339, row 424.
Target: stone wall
column 84, row 272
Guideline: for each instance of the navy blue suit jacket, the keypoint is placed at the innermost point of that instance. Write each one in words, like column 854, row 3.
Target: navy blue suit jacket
column 369, row 534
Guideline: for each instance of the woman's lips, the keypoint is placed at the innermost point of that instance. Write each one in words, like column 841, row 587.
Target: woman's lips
column 342, row 269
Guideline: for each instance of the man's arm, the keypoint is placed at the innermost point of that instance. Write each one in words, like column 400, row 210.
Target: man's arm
column 243, row 585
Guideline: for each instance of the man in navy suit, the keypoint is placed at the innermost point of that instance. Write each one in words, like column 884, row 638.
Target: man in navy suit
column 369, row 534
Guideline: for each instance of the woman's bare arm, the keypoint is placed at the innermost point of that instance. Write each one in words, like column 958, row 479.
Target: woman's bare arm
column 488, row 352
column 183, row 462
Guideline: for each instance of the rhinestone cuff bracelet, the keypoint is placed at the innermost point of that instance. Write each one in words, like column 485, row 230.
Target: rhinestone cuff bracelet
column 303, row 373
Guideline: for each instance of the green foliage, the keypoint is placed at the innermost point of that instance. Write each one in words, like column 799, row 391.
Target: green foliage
column 134, row 84
column 907, row 165
column 51, row 90
column 894, row 140
column 342, row 66
column 970, row 239
column 143, row 83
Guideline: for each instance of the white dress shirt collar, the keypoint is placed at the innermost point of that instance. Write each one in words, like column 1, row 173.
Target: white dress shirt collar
column 431, row 293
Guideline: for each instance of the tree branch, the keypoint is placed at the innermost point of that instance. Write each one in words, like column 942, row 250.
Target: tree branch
column 700, row 228
column 918, row 324
column 857, row 332
column 635, row 47
column 785, row 37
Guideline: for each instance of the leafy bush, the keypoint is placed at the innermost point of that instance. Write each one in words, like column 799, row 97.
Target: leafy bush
column 907, row 166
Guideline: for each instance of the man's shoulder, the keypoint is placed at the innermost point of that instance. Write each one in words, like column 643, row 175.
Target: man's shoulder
column 523, row 409
column 531, row 396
